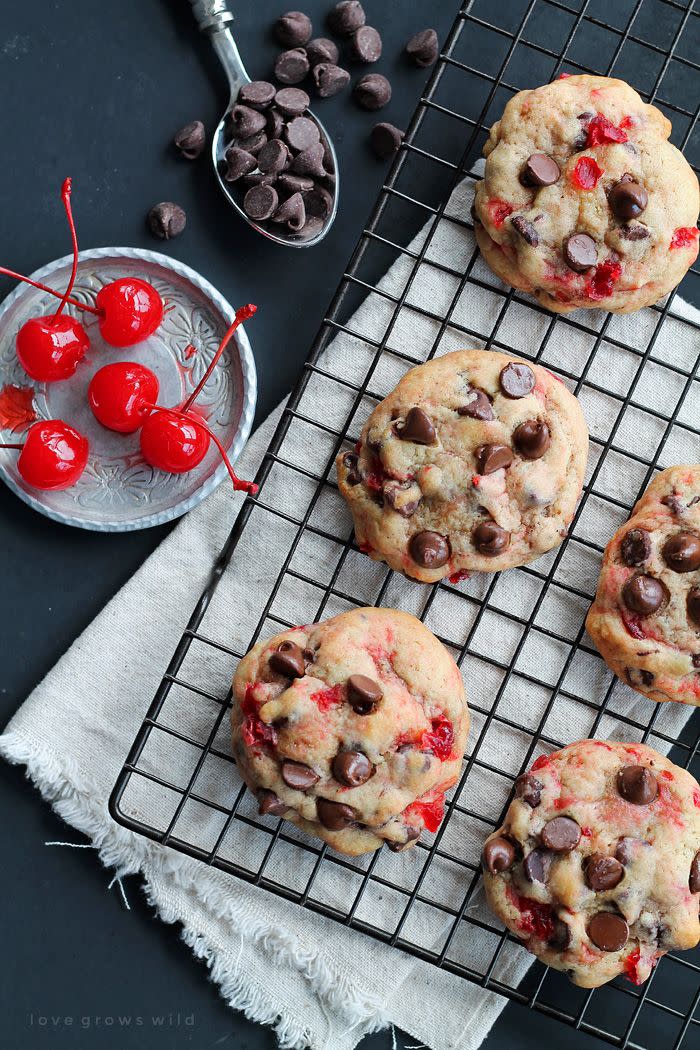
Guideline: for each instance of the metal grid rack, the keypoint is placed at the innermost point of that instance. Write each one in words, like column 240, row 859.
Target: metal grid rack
column 652, row 44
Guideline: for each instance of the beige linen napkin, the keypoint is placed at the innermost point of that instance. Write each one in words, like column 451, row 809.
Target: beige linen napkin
column 321, row 985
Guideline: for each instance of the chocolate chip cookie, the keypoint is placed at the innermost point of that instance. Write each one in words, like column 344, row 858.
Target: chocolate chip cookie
column 474, row 462
column 353, row 728
column 597, row 866
column 645, row 619
column 584, row 202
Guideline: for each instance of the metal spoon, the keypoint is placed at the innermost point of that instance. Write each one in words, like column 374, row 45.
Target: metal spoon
column 214, row 19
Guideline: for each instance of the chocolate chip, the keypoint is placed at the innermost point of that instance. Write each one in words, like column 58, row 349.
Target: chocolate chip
column 526, row 230
column 498, row 855
column 694, row 880
column 396, row 494
column 636, row 232
column 334, row 815
column 628, row 199
column 608, row 931
column 603, row 873
column 258, row 94
column 561, row 935
column 537, row 864
column 246, row 121
column 346, row 17
column 561, row 834
column 274, row 157
column 539, row 170
column 257, row 179
column 477, row 405
column 422, row 48
column 319, row 202
column 693, row 605
column 580, row 252
column 490, row 539
column 635, row 548
column 291, row 213
column 270, row 804
column 418, row 427
column 309, row 161
column 626, row 849
column 637, row 784
column 292, row 66
column 329, row 79
column 287, row 660
column 385, row 140
column 352, row 768
column 428, row 549
column 682, row 552
column 529, row 789
column 293, row 29
column 166, row 220
column 696, row 661
column 645, row 594
column 313, row 227
column 372, row 91
column 260, row 202
column 275, row 124
column 288, row 183
column 363, row 694
column 366, row 45
column 412, row 834
column 674, row 504
column 517, row 380
column 299, row 776
column 254, row 143
column 532, row 438
column 191, row 139
column 292, row 101
column 302, row 133
column 239, row 162
column 490, row 458
column 638, row 677
column 322, row 50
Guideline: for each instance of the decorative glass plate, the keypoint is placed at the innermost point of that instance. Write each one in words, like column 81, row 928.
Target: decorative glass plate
column 118, row 491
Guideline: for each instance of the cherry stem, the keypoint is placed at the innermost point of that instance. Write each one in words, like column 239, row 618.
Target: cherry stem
column 65, row 197
column 52, row 291
column 243, row 314
column 12, row 446
column 238, row 484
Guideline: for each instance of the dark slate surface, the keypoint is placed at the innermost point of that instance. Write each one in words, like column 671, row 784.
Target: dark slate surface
column 96, row 91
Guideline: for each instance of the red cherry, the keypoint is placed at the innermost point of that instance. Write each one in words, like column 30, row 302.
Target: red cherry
column 51, row 348
column 131, row 310
column 173, row 442
column 121, row 394
column 53, row 455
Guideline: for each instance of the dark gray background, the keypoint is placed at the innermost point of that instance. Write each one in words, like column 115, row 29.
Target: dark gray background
column 96, row 91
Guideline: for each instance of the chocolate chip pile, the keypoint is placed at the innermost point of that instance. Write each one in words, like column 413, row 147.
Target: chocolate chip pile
column 275, row 154
column 278, row 160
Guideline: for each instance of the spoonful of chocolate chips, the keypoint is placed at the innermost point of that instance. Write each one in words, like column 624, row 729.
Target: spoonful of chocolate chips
column 273, row 158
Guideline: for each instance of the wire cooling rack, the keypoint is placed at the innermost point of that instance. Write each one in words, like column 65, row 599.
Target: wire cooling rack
column 167, row 788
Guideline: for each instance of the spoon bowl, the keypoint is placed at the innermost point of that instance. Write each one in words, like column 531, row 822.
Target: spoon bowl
column 214, row 19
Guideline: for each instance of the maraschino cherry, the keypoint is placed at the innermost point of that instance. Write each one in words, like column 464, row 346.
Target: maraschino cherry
column 52, row 456
column 129, row 310
column 120, row 393
column 172, row 439
column 50, row 348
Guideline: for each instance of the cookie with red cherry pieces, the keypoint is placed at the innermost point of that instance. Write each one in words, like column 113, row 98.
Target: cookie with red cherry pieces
column 597, row 865
column 353, row 728
column 645, row 619
column 584, row 202
column 474, row 462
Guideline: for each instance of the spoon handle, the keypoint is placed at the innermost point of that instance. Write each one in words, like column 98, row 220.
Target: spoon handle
column 214, row 18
